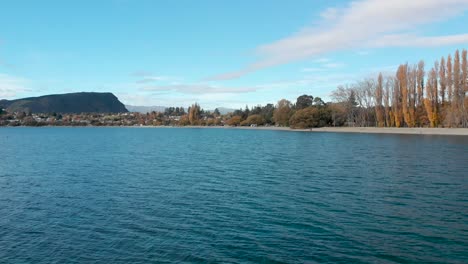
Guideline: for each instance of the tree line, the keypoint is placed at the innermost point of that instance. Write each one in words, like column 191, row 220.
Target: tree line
column 413, row 97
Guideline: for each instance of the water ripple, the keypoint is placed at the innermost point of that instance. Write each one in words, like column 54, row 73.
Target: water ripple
column 230, row 196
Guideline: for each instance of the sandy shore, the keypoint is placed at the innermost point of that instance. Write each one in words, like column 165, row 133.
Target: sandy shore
column 394, row 130
column 373, row 130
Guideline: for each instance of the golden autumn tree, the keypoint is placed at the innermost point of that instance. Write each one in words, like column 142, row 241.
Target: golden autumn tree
column 396, row 104
column 413, row 97
column 412, row 82
column 435, row 92
column 234, row 121
column 402, row 76
column 430, row 100
column 420, row 80
column 420, row 115
column 282, row 112
column 379, row 111
column 194, row 114
column 184, row 120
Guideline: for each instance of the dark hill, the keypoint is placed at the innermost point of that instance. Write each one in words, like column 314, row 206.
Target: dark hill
column 67, row 103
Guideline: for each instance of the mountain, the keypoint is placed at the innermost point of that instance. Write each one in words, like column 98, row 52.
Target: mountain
column 145, row 109
column 224, row 110
column 148, row 109
column 67, row 103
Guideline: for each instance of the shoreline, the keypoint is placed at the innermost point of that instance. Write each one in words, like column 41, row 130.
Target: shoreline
column 361, row 130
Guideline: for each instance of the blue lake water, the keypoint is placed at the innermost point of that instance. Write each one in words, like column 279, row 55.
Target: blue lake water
column 128, row 195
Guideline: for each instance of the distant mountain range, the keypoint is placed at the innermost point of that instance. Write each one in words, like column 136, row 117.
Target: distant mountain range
column 224, row 110
column 145, row 109
column 83, row 102
column 148, row 109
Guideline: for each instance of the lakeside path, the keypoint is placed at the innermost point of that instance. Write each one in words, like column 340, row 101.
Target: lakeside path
column 372, row 130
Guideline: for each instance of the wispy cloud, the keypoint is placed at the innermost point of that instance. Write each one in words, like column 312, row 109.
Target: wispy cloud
column 407, row 40
column 141, row 73
column 363, row 52
column 11, row 86
column 208, row 101
column 314, row 69
column 334, row 65
column 6, row 64
column 314, row 81
column 362, row 24
column 324, row 64
column 145, row 77
column 198, row 89
column 150, row 79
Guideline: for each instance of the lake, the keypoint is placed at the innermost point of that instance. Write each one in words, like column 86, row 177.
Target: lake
column 121, row 195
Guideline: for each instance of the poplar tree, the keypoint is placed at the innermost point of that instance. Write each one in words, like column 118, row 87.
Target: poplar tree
column 194, row 114
column 430, row 97
column 464, row 89
column 412, row 83
column 387, row 96
column 442, row 79
column 396, row 104
column 378, row 101
column 282, row 112
column 449, row 78
column 402, row 75
column 456, row 89
column 420, row 80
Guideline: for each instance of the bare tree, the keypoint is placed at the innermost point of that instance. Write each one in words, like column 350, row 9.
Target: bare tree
column 379, row 111
column 389, row 119
column 456, row 90
column 431, row 94
column 464, row 89
column 412, row 92
column 449, row 78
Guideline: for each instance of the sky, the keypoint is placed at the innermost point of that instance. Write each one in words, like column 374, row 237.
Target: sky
column 217, row 53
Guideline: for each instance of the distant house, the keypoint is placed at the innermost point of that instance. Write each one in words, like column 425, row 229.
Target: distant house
column 176, row 118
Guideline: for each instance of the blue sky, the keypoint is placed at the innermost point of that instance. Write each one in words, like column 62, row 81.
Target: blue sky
column 217, row 53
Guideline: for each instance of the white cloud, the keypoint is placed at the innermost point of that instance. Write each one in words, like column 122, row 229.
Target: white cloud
column 330, row 14
column 407, row 40
column 368, row 23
